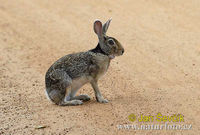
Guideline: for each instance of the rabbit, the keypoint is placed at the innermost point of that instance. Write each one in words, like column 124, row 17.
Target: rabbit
column 71, row 72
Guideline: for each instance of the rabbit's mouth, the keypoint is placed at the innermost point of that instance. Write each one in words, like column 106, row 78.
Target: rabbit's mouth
column 111, row 56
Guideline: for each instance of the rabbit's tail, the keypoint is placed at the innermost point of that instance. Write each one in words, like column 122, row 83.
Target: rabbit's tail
column 55, row 96
column 47, row 95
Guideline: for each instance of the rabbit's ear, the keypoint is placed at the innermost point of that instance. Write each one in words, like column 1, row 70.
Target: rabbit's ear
column 105, row 26
column 98, row 28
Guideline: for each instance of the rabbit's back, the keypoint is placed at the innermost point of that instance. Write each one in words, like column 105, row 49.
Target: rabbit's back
column 79, row 64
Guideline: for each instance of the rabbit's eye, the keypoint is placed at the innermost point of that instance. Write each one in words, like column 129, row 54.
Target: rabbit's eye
column 111, row 42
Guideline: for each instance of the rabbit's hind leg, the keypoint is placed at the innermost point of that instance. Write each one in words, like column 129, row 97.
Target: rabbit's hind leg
column 75, row 86
column 82, row 97
column 71, row 103
column 60, row 92
column 68, row 100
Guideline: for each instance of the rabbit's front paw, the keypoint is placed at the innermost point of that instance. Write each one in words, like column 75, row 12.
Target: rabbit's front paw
column 102, row 100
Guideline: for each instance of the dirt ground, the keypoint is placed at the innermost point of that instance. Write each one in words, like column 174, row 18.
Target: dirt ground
column 159, row 71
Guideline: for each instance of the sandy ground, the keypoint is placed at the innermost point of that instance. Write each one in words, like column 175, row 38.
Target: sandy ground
column 159, row 71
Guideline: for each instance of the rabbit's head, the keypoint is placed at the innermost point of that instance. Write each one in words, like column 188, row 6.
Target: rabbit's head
column 109, row 45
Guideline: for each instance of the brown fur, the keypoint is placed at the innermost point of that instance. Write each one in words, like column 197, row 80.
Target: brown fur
column 69, row 73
